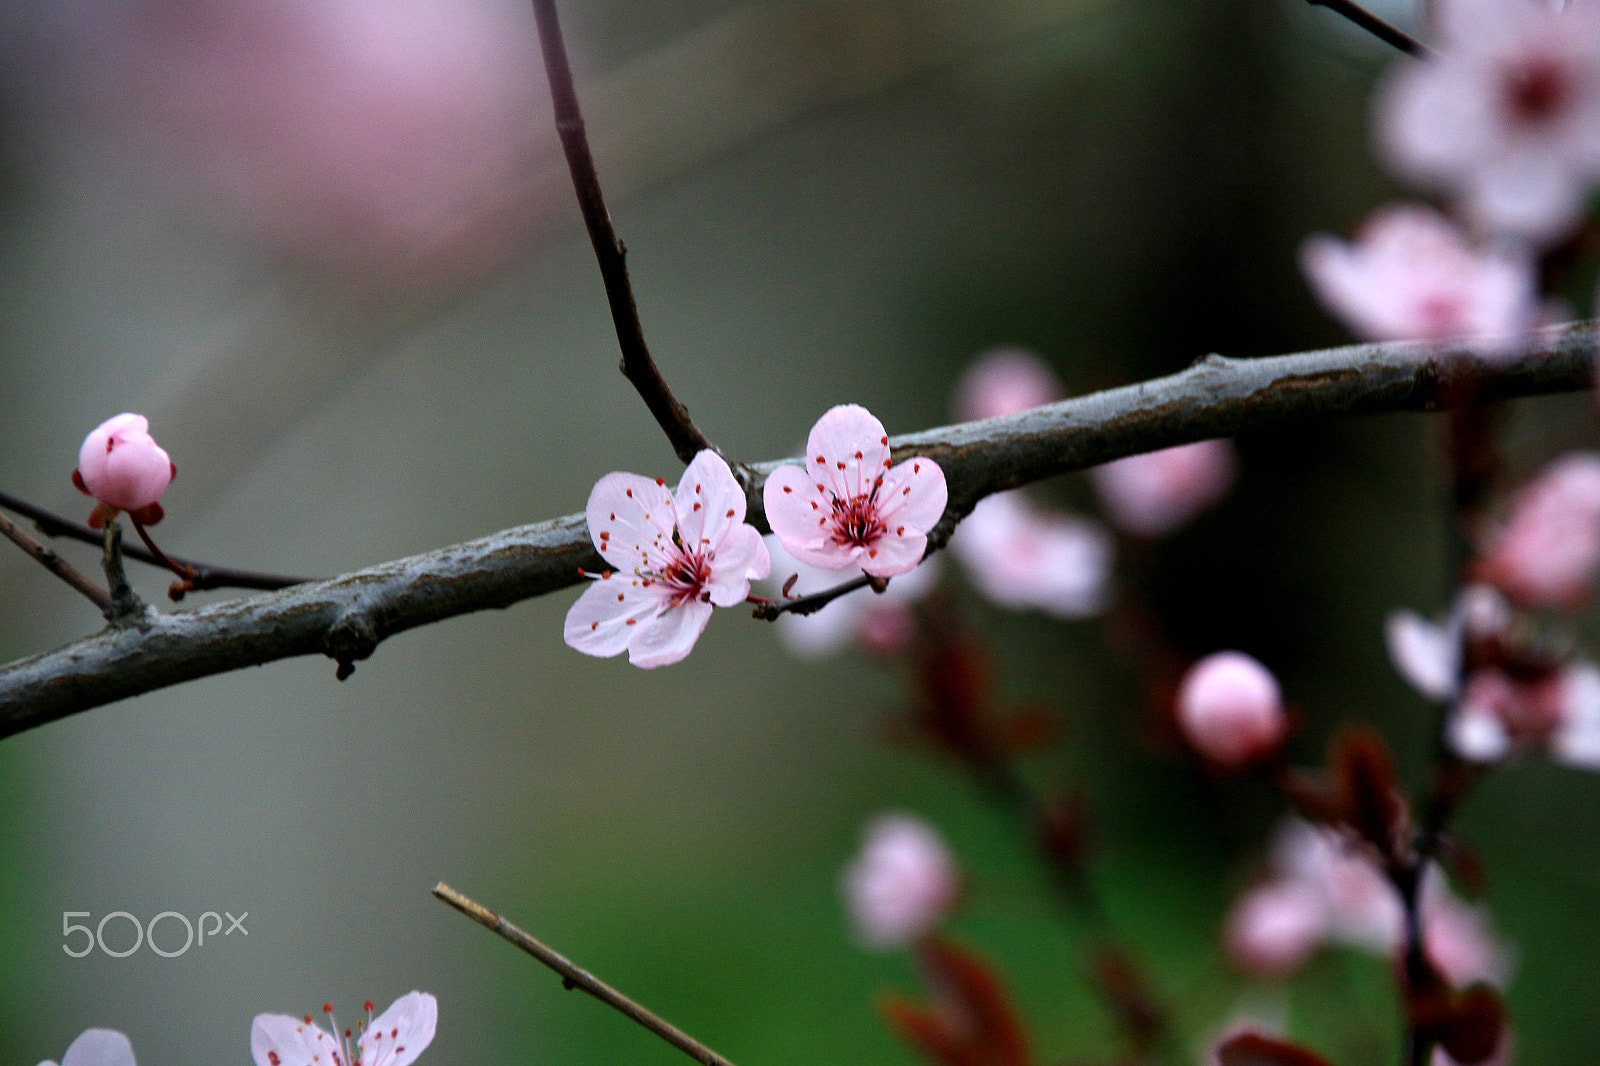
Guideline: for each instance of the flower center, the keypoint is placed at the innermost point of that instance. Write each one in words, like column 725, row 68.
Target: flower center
column 1538, row 90
column 856, row 521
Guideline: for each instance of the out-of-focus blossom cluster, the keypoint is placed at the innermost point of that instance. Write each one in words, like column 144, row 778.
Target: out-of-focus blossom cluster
column 1323, row 889
column 1503, row 118
column 1548, row 548
column 1510, row 692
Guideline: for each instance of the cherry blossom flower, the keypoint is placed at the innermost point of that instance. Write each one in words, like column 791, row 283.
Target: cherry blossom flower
column 1505, row 115
column 881, row 623
column 1152, row 494
column 394, row 1038
column 123, row 467
column 901, row 883
column 849, row 507
column 1411, row 275
column 1004, row 381
column 1548, row 549
column 97, row 1047
column 675, row 556
column 1021, row 557
column 1325, row 889
column 1230, row 709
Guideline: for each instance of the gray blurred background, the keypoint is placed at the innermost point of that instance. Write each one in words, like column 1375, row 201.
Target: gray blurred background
column 340, row 269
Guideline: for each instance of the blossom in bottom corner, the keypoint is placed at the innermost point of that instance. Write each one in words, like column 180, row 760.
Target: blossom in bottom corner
column 675, row 556
column 394, row 1038
column 97, row 1047
column 902, row 883
column 1022, row 557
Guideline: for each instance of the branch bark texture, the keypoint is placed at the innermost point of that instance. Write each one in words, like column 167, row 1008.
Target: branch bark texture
column 346, row 618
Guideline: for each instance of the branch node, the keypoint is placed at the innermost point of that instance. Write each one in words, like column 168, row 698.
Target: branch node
column 350, row 639
column 126, row 608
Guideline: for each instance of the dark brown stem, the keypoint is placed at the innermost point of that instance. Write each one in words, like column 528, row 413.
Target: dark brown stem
column 186, row 574
column 207, row 575
column 637, row 365
column 1383, row 31
column 769, row 610
column 573, row 976
column 55, row 564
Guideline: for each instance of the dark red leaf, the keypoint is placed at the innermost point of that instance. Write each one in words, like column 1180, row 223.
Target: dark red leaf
column 1253, row 1049
column 1368, row 791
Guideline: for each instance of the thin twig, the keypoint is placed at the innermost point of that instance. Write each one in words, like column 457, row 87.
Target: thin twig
column 207, row 575
column 1383, row 31
column 769, row 610
column 637, row 364
column 55, row 564
column 573, row 976
column 348, row 617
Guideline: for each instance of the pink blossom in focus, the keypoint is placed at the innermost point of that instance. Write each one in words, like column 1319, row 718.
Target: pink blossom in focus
column 97, row 1047
column 1004, row 381
column 1230, row 709
column 394, row 1038
column 848, row 507
column 1411, row 275
column 1505, row 115
column 1153, row 494
column 123, row 467
column 881, row 623
column 675, row 556
column 1021, row 557
column 1549, row 547
column 901, row 883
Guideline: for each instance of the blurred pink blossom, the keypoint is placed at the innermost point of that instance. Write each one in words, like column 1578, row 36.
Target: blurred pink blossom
column 1411, row 275
column 364, row 128
column 1548, row 549
column 1325, row 889
column 1230, row 709
column 1505, row 115
column 1153, row 494
column 123, row 467
column 901, row 883
column 1021, row 557
column 675, row 557
column 849, row 507
column 97, row 1047
column 881, row 623
column 1004, row 381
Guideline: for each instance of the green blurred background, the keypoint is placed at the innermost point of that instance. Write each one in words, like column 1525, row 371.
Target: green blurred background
column 824, row 202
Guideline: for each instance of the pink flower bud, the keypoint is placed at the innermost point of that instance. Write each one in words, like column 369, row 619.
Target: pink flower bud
column 1230, row 708
column 902, row 882
column 123, row 467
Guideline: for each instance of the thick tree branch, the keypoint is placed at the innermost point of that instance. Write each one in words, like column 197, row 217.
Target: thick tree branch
column 347, row 617
column 574, row 976
column 207, row 576
column 637, row 364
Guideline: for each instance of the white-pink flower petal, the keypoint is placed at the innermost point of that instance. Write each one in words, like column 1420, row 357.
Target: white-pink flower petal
column 280, row 1040
column 398, row 1035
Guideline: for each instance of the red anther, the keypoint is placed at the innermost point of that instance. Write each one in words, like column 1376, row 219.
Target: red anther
column 630, row 493
column 367, row 1006
column 859, row 455
column 883, row 440
column 840, row 465
column 308, row 1019
column 327, row 1008
column 729, row 514
column 696, row 506
column 661, row 481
